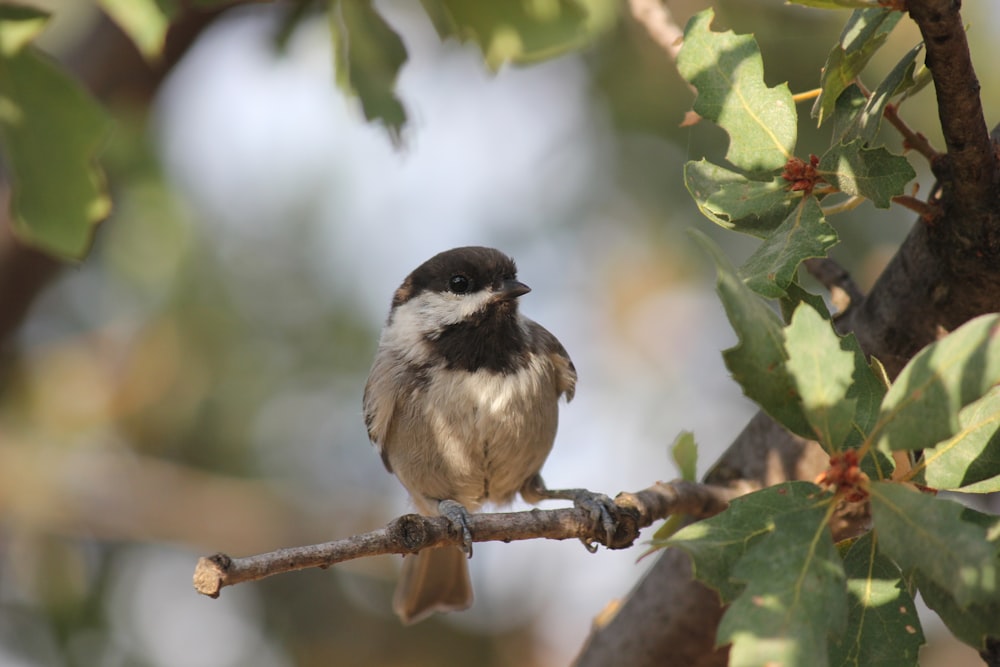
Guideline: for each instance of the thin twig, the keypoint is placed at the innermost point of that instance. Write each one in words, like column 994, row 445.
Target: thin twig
column 848, row 204
column 411, row 533
column 655, row 16
column 807, row 95
column 927, row 211
column 844, row 292
column 911, row 138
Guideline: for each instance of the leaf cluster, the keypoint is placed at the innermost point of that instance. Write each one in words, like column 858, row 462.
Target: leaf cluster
column 767, row 191
column 52, row 131
column 795, row 596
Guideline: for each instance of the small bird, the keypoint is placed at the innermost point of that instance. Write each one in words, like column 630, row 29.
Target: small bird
column 462, row 405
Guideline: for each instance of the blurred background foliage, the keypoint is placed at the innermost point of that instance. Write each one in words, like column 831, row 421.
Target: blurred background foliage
column 194, row 384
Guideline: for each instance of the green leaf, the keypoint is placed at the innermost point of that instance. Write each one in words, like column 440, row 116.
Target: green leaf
column 864, row 34
column 794, row 296
column 923, row 532
column 51, row 131
column 803, row 234
column 824, row 374
column 972, row 624
column 882, row 624
column 19, row 25
column 521, row 32
column 849, row 106
column 758, row 361
column 874, row 173
column 733, row 201
column 917, row 82
column 969, row 460
column 795, row 596
column 144, row 21
column 669, row 528
column 718, row 543
column 728, row 72
column 921, row 409
column 685, row 453
column 369, row 55
column 868, row 387
column 866, row 124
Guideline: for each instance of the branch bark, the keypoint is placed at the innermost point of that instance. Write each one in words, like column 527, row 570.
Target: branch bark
column 412, row 533
column 968, row 171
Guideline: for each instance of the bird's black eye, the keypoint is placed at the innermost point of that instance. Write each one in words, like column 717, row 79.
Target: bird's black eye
column 459, row 284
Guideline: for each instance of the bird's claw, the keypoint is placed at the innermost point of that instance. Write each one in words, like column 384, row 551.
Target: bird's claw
column 601, row 508
column 458, row 517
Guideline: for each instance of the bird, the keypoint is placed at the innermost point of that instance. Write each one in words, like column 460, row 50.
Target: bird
column 462, row 405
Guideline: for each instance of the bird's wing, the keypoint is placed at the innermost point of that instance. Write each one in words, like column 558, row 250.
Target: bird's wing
column 381, row 393
column 550, row 346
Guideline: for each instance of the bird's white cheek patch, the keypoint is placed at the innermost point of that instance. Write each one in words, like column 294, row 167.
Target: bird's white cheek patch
column 431, row 311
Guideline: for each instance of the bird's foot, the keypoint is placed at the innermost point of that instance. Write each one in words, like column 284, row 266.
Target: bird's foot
column 601, row 508
column 458, row 517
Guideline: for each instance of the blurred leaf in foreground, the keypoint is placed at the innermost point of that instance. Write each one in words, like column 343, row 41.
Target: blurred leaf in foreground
column 51, row 131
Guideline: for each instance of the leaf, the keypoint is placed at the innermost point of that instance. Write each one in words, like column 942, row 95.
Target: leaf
column 19, row 25
column 969, row 460
column 921, row 408
column 369, row 56
column 144, row 21
column 733, row 201
column 795, row 596
column 868, row 387
column 918, row 81
column 823, row 373
column 864, row 34
column 927, row 533
column 972, row 624
column 758, row 361
column 803, row 234
column 866, row 124
column 51, row 131
column 849, row 105
column 718, row 543
column 520, row 32
column 874, row 173
column 728, row 72
column 882, row 623
column 685, row 453
column 794, row 296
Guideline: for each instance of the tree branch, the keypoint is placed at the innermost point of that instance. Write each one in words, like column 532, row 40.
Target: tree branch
column 968, row 173
column 843, row 290
column 654, row 15
column 412, row 533
column 911, row 139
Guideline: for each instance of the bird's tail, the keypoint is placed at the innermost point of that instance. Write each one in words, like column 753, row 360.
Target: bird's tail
column 433, row 580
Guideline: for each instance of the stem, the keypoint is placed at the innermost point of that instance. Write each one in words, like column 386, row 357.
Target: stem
column 807, row 95
column 848, row 204
column 911, row 138
column 927, row 212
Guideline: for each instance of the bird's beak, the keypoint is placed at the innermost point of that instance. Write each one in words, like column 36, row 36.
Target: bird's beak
column 511, row 289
